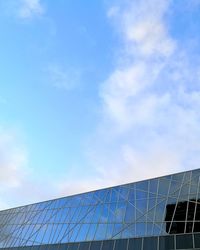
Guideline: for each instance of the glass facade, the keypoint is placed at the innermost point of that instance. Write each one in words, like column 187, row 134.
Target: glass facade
column 160, row 213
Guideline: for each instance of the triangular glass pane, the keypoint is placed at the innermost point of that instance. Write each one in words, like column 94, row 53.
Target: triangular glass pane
column 156, row 228
column 142, row 219
column 151, row 203
column 187, row 177
column 174, row 188
column 117, row 229
column 138, row 214
column 114, row 194
column 150, row 215
column 123, row 193
column 141, row 205
column 129, row 231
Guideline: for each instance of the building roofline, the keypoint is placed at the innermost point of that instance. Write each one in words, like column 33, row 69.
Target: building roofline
column 69, row 196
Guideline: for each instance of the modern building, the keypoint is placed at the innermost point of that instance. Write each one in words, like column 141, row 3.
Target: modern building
column 161, row 213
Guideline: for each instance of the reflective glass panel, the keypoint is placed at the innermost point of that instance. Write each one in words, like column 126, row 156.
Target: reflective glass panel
column 150, row 243
column 107, row 245
column 121, row 244
column 135, row 244
column 166, row 242
column 184, row 241
column 197, row 240
column 95, row 245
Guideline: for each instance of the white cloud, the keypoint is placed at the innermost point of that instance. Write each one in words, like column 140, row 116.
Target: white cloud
column 30, row 8
column 150, row 101
column 22, row 9
column 13, row 159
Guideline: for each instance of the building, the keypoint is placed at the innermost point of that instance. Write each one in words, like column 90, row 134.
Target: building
column 161, row 213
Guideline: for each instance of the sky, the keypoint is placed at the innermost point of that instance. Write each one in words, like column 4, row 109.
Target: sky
column 96, row 94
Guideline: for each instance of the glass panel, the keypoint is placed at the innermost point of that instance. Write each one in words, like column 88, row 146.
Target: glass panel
column 117, row 230
column 109, row 232
column 120, row 212
column 153, row 184
column 73, row 232
column 189, row 226
column 108, row 245
column 141, row 205
column 166, row 243
column 128, row 232
column 196, row 227
column 184, row 241
column 104, row 213
column 163, row 187
column 121, row 244
column 95, row 245
column 149, row 228
column 177, row 228
column 132, row 195
column 191, row 209
column 124, row 190
column 73, row 246
column 60, row 247
column 135, row 244
column 174, row 187
column 142, row 185
column 114, row 194
column 83, row 232
column 150, row 243
column 84, row 246
column 197, row 240
column 140, row 229
column 101, row 232
column 130, row 213
column 160, row 211
column 197, row 217
column 141, row 195
column 178, row 177
column 111, row 216
column 91, row 232
column 96, row 215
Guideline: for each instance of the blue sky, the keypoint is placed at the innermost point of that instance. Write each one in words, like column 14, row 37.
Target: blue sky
column 96, row 93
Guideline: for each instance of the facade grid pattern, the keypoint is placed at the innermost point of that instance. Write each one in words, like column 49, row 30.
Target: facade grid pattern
column 167, row 206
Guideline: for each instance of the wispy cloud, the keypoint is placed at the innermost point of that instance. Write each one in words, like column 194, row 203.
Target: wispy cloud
column 62, row 77
column 23, row 9
column 13, row 159
column 13, row 164
column 30, row 8
column 19, row 184
column 150, row 101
